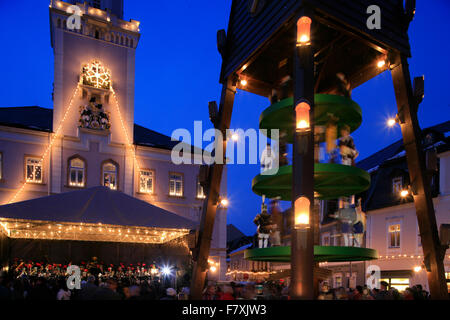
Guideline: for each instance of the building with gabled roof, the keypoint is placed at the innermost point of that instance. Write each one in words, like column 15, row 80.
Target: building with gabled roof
column 392, row 227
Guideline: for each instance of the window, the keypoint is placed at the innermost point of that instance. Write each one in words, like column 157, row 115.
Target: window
column 110, row 175
column 76, row 172
column 33, row 170
column 200, row 192
column 447, row 276
column 397, row 185
column 352, row 279
column 146, row 181
column 394, row 236
column 337, row 280
column 176, row 185
column 398, row 283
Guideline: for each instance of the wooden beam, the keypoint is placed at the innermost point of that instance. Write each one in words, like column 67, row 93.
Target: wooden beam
column 255, row 86
column 432, row 249
column 302, row 241
column 349, row 30
column 201, row 252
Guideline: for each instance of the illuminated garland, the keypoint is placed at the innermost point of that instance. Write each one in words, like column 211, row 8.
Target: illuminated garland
column 35, row 229
column 52, row 141
column 129, row 142
column 96, row 75
column 250, row 272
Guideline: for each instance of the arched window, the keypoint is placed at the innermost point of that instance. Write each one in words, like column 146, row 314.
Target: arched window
column 97, row 34
column 131, row 43
column 126, row 43
column 112, row 37
column 77, row 172
column 59, row 23
column 109, row 174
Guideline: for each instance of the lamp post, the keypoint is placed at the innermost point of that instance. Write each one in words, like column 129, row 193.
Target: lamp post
column 302, row 239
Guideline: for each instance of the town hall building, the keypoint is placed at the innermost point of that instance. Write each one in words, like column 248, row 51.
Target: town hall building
column 89, row 138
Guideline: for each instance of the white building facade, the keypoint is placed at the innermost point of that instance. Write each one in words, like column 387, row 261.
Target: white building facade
column 392, row 227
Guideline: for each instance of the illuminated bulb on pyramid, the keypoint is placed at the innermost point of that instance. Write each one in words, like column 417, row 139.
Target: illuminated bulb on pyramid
column 302, row 124
column 381, row 63
column 304, row 38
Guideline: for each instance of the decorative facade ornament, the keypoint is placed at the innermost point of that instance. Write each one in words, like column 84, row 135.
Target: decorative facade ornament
column 93, row 116
column 96, row 75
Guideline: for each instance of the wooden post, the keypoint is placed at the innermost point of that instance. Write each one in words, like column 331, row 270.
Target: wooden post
column 302, row 242
column 203, row 246
column 407, row 111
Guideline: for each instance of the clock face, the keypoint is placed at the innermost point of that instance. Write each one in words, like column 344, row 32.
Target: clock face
column 256, row 6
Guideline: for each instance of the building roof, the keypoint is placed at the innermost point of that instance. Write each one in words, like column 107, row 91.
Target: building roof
column 374, row 160
column 233, row 233
column 34, row 118
column 390, row 163
column 248, row 245
column 41, row 119
column 96, row 205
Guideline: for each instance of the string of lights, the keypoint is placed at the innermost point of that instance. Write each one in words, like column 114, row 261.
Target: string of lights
column 36, row 229
column 129, row 142
column 78, row 231
column 250, row 272
column 52, row 141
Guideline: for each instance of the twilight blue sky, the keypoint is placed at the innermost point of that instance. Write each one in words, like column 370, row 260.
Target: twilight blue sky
column 177, row 72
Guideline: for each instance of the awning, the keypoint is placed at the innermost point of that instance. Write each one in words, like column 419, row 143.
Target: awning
column 93, row 214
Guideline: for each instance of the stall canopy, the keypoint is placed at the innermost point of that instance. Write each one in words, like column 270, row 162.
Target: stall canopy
column 93, row 214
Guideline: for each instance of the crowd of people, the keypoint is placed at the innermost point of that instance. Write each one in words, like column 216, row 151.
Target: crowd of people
column 39, row 281
column 98, row 281
column 383, row 293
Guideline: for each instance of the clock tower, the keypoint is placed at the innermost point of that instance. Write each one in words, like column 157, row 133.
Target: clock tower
column 94, row 67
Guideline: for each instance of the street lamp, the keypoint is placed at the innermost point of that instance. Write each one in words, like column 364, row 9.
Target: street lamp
column 404, row 193
column 223, row 203
column 391, row 122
